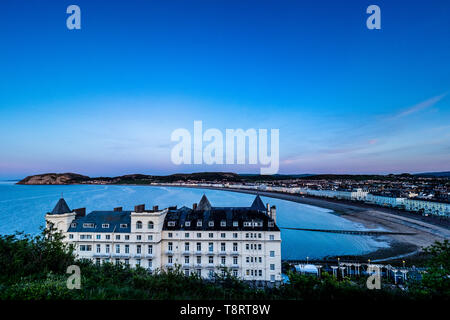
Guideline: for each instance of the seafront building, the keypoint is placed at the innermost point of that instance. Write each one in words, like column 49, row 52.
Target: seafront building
column 205, row 240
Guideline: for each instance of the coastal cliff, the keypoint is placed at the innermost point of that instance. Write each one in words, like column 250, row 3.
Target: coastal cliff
column 54, row 178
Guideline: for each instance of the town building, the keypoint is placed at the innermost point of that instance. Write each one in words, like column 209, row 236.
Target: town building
column 205, row 240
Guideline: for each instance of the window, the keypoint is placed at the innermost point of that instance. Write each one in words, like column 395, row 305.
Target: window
column 127, row 262
column 171, row 223
column 247, row 224
column 199, row 235
column 235, row 247
column 127, row 237
column 222, row 247
column 107, row 248
column 170, row 259
column 235, row 260
column 246, row 235
column 186, row 246
column 211, row 223
column 117, row 236
column 247, row 246
column 150, row 237
column 108, row 237
column 150, row 263
column 97, row 261
column 272, row 254
column 186, row 272
column 199, row 272
column 138, row 249
column 105, row 225
column 223, row 223
column 199, row 259
column 271, row 224
column 138, row 262
column 98, row 248
column 235, row 224
column 247, row 259
column 199, row 246
column 260, row 273
column 222, row 260
column 117, row 248
column 123, row 225
column 272, row 277
column 259, row 235
column 235, row 235
column 127, row 248
column 70, row 236
column 272, row 266
column 199, row 223
column 139, row 225
column 170, row 234
column 138, row 237
column 260, row 259
column 170, row 246
column 210, row 259
column 86, row 247
column 235, row 273
column 211, row 247
column 88, row 225
column 259, row 246
column 186, row 259
column 222, row 235
column 150, row 225
column 74, row 225
column 187, row 223
column 211, row 273
column 150, row 249
column 271, row 237
column 98, row 237
column 211, row 235
column 186, row 235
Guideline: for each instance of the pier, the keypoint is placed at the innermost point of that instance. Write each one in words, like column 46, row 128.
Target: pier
column 353, row 232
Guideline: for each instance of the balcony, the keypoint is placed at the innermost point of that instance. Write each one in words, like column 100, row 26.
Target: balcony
column 169, row 252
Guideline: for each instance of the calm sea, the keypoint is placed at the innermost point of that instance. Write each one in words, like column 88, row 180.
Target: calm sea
column 22, row 208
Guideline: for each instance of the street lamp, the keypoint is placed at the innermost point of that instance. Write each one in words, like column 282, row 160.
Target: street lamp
column 403, row 263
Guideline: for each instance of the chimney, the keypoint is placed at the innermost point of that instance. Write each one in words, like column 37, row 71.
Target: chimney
column 139, row 208
column 194, row 206
column 81, row 212
column 273, row 213
column 155, row 208
column 268, row 209
column 118, row 209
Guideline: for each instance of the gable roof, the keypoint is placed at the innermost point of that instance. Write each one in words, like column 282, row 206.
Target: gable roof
column 61, row 207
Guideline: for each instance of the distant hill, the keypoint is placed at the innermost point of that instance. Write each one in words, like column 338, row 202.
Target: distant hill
column 442, row 174
column 54, row 178
column 220, row 177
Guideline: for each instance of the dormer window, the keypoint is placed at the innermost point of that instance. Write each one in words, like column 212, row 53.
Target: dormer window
column 247, row 224
column 187, row 223
column 271, row 224
column 171, row 223
column 235, row 224
column 88, row 225
column 123, row 225
column 223, row 223
column 105, row 225
column 211, row 223
column 73, row 225
column 199, row 223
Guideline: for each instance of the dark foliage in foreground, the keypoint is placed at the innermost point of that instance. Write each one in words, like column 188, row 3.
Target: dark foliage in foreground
column 35, row 268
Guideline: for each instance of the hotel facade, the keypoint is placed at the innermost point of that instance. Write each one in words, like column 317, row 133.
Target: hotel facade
column 205, row 240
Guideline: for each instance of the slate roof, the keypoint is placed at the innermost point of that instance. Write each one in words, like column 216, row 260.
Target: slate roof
column 61, row 207
column 113, row 218
column 204, row 204
column 256, row 213
column 258, row 204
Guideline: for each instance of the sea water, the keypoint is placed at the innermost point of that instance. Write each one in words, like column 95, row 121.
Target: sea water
column 23, row 208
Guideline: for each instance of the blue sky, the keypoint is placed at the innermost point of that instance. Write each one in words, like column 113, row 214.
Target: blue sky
column 104, row 100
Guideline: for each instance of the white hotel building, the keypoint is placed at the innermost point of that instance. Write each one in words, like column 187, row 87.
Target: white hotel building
column 203, row 239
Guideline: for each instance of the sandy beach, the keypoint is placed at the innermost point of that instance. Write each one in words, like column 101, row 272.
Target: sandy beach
column 424, row 233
